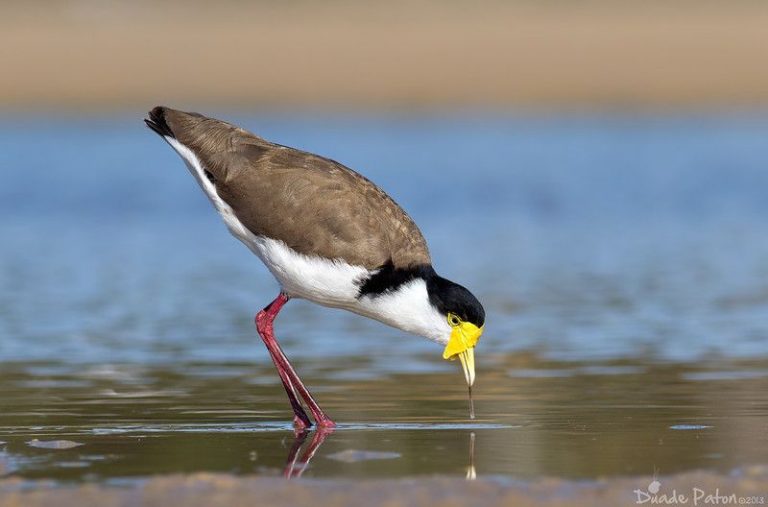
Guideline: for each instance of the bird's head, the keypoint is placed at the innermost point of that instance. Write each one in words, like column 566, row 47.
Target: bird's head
column 465, row 317
column 449, row 314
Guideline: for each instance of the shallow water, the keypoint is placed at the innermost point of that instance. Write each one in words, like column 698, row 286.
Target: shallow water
column 622, row 262
column 535, row 417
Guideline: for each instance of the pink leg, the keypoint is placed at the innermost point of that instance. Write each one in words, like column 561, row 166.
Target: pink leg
column 291, row 380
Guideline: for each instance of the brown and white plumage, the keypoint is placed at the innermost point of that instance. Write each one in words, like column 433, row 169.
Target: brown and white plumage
column 326, row 233
column 342, row 214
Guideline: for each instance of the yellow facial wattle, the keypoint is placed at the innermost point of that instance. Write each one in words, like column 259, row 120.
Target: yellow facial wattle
column 464, row 336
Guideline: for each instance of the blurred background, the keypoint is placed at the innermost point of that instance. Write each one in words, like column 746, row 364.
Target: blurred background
column 595, row 171
column 405, row 55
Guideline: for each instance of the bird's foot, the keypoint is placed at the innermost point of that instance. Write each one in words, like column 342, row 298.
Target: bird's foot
column 301, row 425
column 325, row 424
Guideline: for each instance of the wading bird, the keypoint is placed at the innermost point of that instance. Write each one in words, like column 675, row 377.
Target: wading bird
column 328, row 235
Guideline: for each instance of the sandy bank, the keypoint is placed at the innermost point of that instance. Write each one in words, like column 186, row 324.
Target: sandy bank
column 80, row 54
column 223, row 490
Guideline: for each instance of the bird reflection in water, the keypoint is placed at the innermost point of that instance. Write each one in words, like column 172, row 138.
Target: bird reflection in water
column 298, row 461
column 471, row 473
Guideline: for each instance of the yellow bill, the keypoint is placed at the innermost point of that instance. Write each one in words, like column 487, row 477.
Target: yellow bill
column 461, row 344
column 467, row 359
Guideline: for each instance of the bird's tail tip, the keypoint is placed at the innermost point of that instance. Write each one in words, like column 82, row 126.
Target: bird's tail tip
column 157, row 122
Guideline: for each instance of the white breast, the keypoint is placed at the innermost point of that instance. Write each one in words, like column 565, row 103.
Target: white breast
column 336, row 284
column 329, row 282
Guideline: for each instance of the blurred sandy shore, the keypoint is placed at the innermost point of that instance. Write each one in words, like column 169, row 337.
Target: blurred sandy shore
column 212, row 490
column 552, row 54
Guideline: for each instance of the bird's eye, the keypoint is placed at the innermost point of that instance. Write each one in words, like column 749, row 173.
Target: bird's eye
column 453, row 320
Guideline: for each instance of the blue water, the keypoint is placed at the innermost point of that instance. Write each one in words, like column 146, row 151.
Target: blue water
column 584, row 237
column 623, row 263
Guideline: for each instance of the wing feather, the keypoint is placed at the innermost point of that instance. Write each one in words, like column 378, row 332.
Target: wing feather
column 315, row 205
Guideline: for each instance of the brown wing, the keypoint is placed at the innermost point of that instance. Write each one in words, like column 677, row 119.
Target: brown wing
column 315, row 205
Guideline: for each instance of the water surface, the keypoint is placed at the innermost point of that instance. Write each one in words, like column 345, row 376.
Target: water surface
column 622, row 262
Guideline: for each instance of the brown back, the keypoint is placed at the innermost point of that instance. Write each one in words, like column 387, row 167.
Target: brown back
column 313, row 204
